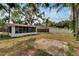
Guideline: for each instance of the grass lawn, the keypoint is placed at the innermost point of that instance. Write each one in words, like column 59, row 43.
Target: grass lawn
column 12, row 44
column 6, row 43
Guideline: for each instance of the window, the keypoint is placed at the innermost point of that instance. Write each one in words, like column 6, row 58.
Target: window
column 9, row 29
column 31, row 29
column 21, row 29
column 16, row 29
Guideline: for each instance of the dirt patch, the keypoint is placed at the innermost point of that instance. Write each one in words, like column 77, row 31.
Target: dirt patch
column 41, row 44
column 54, row 47
column 20, row 49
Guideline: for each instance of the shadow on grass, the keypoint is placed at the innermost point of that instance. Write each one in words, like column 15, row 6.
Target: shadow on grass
column 5, row 37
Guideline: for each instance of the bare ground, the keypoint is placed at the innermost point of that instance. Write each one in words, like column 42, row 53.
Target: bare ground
column 19, row 46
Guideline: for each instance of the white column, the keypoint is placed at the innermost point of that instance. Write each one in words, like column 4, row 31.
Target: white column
column 13, row 31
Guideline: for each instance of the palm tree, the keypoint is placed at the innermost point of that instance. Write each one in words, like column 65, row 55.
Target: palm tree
column 74, row 7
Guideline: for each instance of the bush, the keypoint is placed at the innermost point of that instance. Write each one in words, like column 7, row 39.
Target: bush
column 31, row 40
column 71, row 50
column 41, row 52
column 30, row 43
column 29, row 46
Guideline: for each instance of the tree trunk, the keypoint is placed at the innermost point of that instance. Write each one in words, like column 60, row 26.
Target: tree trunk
column 77, row 21
column 9, row 15
column 73, row 20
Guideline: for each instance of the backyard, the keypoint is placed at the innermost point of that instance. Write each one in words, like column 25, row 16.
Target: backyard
column 33, row 29
column 40, row 44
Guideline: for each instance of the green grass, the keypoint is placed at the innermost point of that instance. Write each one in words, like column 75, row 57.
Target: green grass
column 2, row 37
column 30, row 46
column 71, row 50
column 41, row 52
column 30, row 43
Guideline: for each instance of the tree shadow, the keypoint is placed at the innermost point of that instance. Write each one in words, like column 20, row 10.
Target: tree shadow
column 3, row 37
column 6, row 37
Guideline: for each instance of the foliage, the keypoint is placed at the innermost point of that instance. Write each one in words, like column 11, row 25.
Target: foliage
column 8, row 8
column 30, row 43
column 3, row 37
column 30, row 46
column 28, row 11
column 31, row 40
column 64, row 24
column 2, row 23
column 51, row 24
column 41, row 52
column 71, row 50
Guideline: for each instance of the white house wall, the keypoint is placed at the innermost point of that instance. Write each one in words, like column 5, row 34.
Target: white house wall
column 13, row 34
column 22, row 34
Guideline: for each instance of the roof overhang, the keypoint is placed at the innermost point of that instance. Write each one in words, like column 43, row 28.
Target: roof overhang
column 20, row 25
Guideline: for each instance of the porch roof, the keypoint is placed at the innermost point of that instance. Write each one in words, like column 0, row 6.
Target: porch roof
column 20, row 25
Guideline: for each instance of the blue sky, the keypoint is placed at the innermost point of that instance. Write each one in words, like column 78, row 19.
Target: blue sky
column 63, row 14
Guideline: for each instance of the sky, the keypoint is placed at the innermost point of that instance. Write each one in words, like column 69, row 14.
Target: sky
column 63, row 14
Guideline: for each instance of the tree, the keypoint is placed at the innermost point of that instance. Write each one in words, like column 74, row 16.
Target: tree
column 7, row 7
column 2, row 23
column 74, row 7
column 10, row 6
column 30, row 11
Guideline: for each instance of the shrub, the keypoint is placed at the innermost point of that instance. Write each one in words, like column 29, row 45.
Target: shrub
column 29, row 46
column 41, row 52
column 31, row 40
column 71, row 50
column 30, row 43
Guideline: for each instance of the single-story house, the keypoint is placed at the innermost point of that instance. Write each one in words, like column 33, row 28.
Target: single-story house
column 15, row 30
column 42, row 29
